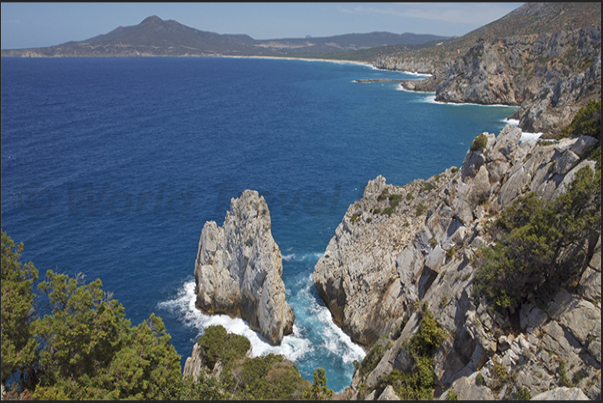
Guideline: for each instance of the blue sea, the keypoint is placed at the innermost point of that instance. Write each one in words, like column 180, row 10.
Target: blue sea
column 111, row 167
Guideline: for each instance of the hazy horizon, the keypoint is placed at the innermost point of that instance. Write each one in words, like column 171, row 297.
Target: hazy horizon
column 31, row 25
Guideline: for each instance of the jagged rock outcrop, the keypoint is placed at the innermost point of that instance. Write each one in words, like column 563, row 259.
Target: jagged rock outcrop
column 550, row 75
column 421, row 65
column 193, row 364
column 379, row 268
column 239, row 267
column 195, row 367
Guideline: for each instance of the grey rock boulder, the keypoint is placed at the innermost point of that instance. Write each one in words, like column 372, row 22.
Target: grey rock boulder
column 562, row 394
column 239, row 267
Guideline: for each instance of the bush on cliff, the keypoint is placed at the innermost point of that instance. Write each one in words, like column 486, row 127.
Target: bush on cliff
column 319, row 389
column 541, row 245
column 219, row 345
column 479, row 143
column 84, row 347
column 90, row 351
column 417, row 384
column 267, row 377
column 18, row 345
column 587, row 122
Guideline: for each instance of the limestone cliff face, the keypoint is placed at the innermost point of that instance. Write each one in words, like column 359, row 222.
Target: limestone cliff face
column 421, row 65
column 550, row 75
column 239, row 267
column 378, row 266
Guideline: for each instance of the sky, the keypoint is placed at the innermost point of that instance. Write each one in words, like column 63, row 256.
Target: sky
column 25, row 25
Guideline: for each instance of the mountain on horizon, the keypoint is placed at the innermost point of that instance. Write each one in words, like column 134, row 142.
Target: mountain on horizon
column 529, row 19
column 157, row 37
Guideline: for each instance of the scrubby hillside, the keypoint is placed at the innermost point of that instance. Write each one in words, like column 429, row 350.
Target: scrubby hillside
column 481, row 282
column 544, row 57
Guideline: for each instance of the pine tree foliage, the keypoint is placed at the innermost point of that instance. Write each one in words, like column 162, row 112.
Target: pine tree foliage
column 18, row 345
column 541, row 245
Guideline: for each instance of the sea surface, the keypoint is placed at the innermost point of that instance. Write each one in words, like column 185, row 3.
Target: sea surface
column 111, row 167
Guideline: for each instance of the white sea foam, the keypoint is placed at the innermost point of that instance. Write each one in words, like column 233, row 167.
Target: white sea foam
column 417, row 74
column 313, row 330
column 427, row 98
column 333, row 338
column 430, row 98
column 302, row 258
column 292, row 347
column 411, row 73
column 529, row 136
column 469, row 103
column 513, row 122
column 401, row 88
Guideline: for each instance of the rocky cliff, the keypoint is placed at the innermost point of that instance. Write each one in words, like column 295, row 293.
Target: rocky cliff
column 401, row 247
column 550, row 75
column 239, row 267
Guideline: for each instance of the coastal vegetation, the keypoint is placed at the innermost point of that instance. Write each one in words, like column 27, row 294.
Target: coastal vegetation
column 542, row 245
column 479, row 143
column 72, row 341
column 82, row 347
column 587, row 121
column 417, row 382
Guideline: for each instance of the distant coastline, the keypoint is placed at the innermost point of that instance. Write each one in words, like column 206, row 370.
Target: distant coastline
column 362, row 63
column 298, row 58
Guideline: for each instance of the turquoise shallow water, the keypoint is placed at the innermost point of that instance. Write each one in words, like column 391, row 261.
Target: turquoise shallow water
column 111, row 166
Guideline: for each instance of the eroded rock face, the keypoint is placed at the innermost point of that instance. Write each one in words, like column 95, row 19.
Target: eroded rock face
column 550, row 75
column 379, row 267
column 239, row 267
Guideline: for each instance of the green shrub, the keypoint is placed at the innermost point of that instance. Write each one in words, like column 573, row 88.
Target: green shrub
column 394, row 200
column 319, row 389
column 499, row 375
column 417, row 384
column 384, row 194
column 452, row 395
column 18, row 347
column 523, row 394
column 578, row 376
column 420, row 209
column 479, row 379
column 565, row 381
column 409, row 196
column 429, row 336
column 371, row 360
column 412, row 385
column 479, row 143
column 219, row 345
column 528, row 259
column 595, row 154
column 427, row 186
column 587, row 121
column 270, row 377
column 355, row 218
